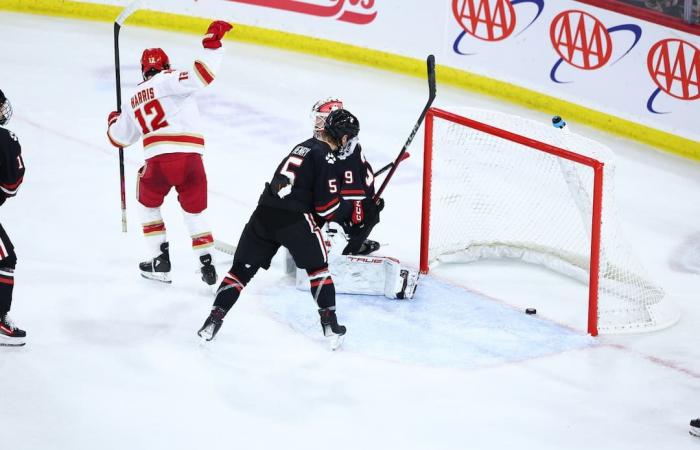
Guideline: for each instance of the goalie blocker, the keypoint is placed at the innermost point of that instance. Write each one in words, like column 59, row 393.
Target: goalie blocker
column 367, row 275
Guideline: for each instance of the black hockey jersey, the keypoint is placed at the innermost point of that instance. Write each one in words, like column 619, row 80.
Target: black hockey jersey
column 355, row 173
column 307, row 181
column 11, row 165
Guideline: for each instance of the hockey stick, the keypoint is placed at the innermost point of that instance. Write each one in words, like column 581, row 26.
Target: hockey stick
column 136, row 4
column 225, row 247
column 391, row 164
column 431, row 97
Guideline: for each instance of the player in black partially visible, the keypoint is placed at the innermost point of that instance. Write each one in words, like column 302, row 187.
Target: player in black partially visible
column 305, row 183
column 356, row 181
column 11, row 175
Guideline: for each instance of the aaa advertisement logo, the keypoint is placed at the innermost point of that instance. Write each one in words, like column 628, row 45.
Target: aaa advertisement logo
column 674, row 65
column 582, row 41
column 489, row 20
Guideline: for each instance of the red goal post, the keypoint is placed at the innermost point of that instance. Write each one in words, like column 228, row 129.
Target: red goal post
column 517, row 143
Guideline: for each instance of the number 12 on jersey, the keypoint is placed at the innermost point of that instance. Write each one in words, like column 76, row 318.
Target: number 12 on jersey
column 152, row 108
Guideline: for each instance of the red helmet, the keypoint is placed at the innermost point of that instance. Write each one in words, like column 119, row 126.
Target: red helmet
column 153, row 60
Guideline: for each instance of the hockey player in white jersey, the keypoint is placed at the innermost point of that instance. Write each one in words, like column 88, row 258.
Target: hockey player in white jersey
column 353, row 268
column 163, row 112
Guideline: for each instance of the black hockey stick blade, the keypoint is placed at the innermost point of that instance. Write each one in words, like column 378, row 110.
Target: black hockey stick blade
column 390, row 165
column 431, row 97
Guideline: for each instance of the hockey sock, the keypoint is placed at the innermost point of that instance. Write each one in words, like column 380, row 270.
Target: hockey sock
column 202, row 238
column 7, row 283
column 322, row 287
column 153, row 228
column 233, row 283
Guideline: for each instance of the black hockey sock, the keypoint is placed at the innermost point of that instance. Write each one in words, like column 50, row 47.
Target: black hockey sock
column 7, row 282
column 322, row 287
column 232, row 285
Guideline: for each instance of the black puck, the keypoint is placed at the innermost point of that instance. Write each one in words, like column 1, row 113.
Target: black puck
column 530, row 311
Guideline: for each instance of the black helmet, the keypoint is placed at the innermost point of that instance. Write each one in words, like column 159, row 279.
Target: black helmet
column 5, row 109
column 341, row 122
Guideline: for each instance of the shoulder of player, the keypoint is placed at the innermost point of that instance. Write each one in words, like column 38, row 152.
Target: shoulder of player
column 159, row 78
column 166, row 74
column 313, row 148
column 7, row 136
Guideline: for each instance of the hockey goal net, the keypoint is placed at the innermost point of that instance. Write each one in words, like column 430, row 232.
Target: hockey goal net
column 501, row 186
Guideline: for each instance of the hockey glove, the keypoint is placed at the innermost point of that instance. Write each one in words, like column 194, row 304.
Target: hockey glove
column 372, row 210
column 216, row 32
column 113, row 117
column 281, row 186
column 358, row 233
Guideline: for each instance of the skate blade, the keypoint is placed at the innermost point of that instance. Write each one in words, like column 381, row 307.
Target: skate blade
column 334, row 342
column 163, row 277
column 206, row 335
column 6, row 341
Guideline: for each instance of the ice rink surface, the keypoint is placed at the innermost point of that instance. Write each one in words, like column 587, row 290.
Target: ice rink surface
column 113, row 361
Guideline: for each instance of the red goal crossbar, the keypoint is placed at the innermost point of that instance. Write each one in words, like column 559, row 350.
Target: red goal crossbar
column 533, row 144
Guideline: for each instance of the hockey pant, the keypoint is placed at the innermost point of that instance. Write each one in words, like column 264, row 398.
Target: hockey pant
column 267, row 230
column 185, row 172
column 8, row 260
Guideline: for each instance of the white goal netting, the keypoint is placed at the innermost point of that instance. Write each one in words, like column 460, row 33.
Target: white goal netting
column 494, row 198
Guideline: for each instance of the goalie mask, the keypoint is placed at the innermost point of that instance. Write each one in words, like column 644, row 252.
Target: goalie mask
column 5, row 109
column 320, row 111
column 339, row 123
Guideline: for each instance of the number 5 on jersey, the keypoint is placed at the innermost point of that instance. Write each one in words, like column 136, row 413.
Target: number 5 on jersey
column 288, row 170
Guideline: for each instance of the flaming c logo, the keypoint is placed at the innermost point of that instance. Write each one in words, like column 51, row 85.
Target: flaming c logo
column 674, row 65
column 584, row 42
column 488, row 20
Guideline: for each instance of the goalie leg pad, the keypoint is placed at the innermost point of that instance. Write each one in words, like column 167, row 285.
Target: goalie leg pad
column 374, row 275
column 400, row 282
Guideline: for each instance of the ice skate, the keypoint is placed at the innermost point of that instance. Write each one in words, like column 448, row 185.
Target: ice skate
column 368, row 246
column 695, row 427
column 159, row 267
column 331, row 330
column 208, row 270
column 10, row 335
column 212, row 324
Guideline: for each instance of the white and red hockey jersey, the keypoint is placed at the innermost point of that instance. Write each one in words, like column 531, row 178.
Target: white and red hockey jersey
column 164, row 112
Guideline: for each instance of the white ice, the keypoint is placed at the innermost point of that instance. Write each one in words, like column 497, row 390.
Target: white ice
column 113, row 362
